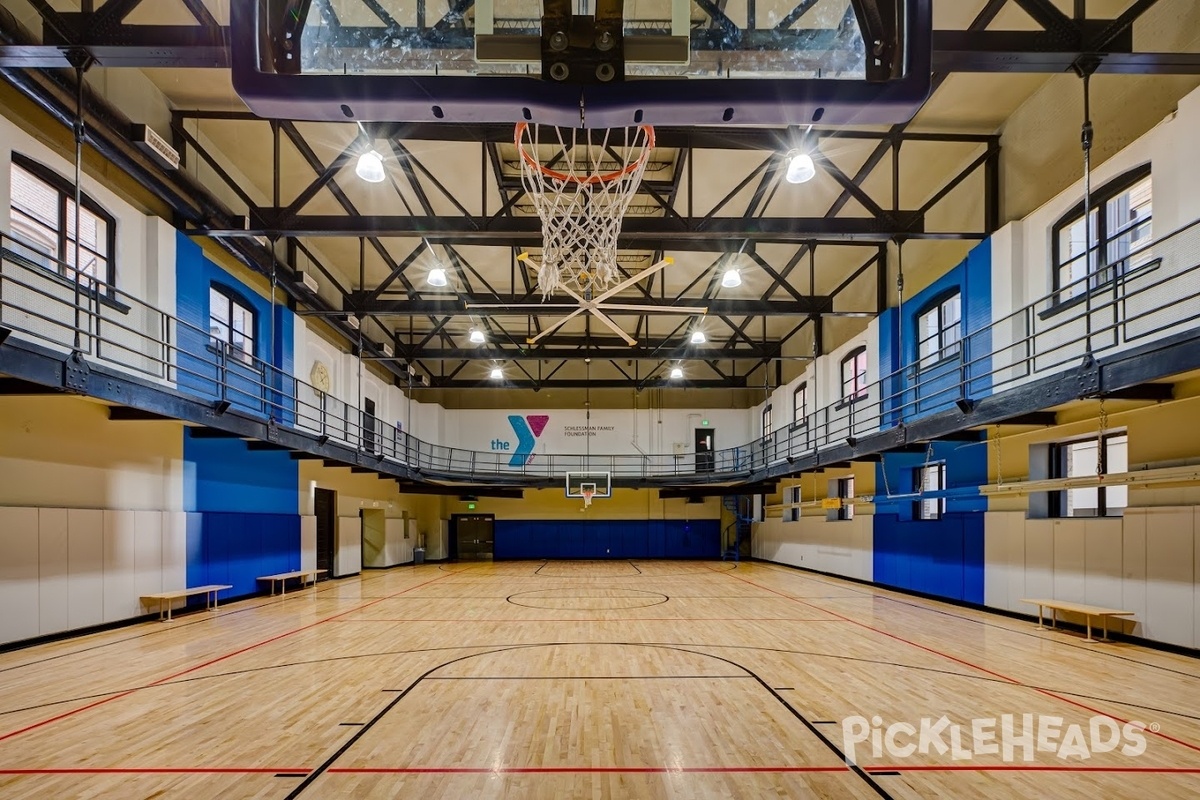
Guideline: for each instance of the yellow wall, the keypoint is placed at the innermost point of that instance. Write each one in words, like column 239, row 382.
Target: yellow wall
column 1163, row 434
column 553, row 504
column 64, row 452
column 357, row 491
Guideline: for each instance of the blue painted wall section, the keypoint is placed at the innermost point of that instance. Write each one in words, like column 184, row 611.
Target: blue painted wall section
column 940, row 384
column 250, row 388
column 525, row 539
column 942, row 557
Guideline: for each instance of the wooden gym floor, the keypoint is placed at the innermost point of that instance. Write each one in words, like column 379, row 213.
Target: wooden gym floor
column 564, row 679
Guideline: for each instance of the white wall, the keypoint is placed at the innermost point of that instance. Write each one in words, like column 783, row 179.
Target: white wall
column 67, row 568
column 839, row 548
column 144, row 263
column 1147, row 562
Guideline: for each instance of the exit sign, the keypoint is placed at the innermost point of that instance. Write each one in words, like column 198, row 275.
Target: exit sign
column 470, row 506
column 704, row 422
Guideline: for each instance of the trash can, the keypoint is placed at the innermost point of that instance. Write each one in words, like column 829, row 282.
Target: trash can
column 419, row 555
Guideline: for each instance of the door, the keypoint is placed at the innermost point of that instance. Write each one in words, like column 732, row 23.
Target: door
column 473, row 534
column 704, row 449
column 374, row 538
column 325, row 509
column 369, row 424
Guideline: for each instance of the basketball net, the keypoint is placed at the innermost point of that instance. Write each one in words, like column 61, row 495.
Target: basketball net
column 581, row 194
column 587, row 498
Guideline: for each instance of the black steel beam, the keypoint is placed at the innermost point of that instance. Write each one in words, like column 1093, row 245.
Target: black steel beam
column 1149, row 392
column 207, row 46
column 572, row 383
column 127, row 414
column 459, row 491
column 16, row 387
column 644, row 233
column 703, row 492
column 1042, row 419
column 641, row 352
column 471, row 306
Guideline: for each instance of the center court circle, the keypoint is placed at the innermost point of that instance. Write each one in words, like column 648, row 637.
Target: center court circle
column 587, row 599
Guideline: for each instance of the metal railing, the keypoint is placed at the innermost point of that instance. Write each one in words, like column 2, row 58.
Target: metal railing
column 40, row 300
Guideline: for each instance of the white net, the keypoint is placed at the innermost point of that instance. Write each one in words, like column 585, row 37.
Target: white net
column 581, row 182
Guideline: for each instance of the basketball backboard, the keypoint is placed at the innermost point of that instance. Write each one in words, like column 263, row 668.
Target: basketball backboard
column 599, row 63
column 599, row 482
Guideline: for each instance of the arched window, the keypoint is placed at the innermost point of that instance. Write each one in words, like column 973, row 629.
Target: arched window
column 938, row 329
column 1120, row 230
column 854, row 375
column 800, row 405
column 42, row 212
column 231, row 323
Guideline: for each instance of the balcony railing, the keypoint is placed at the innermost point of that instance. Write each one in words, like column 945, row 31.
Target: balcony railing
column 1156, row 298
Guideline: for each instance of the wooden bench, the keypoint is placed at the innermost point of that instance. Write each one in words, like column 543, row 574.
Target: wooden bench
column 306, row 576
column 165, row 598
column 1078, row 608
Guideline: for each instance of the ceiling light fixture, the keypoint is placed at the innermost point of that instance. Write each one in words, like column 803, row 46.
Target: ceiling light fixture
column 698, row 337
column 732, row 278
column 800, row 168
column 477, row 336
column 676, row 373
column 497, row 374
column 370, row 167
column 437, row 277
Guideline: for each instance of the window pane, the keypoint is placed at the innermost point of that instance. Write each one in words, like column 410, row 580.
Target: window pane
column 1081, row 462
column 218, row 315
column 34, row 197
column 1116, row 498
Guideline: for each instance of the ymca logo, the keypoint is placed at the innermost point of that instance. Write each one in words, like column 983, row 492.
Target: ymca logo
column 527, row 429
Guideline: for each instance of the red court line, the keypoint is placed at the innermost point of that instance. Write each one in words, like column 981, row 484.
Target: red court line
column 155, row 771
column 609, row 619
column 210, row 662
column 585, row 770
column 957, row 660
column 1030, row 768
column 569, row 770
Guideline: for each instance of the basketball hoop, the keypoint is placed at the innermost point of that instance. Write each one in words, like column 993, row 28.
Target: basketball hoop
column 581, row 195
column 588, row 492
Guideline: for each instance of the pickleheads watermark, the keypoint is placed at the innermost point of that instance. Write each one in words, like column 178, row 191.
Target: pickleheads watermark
column 1010, row 736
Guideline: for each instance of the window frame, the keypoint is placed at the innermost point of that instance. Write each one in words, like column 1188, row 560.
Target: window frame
column 1057, row 506
column 800, row 413
column 859, row 393
column 66, row 195
column 766, row 423
column 843, row 489
column 236, row 300
column 943, row 352
column 934, row 508
column 1098, row 206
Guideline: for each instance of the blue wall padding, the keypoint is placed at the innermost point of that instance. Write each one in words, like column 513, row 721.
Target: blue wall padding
column 939, row 557
column 556, row 539
column 237, row 548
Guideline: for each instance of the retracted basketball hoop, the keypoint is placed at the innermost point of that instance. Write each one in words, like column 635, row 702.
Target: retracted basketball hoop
column 581, row 182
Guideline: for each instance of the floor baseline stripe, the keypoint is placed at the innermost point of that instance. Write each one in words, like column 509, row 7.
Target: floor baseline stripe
column 577, row 770
column 200, row 666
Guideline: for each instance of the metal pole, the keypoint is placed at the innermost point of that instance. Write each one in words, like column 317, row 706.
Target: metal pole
column 1084, row 68
column 82, row 60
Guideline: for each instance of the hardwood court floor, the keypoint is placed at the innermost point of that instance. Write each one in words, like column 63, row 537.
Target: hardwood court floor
column 564, row 680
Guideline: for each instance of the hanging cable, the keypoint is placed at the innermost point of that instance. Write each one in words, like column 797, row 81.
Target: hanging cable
column 1084, row 67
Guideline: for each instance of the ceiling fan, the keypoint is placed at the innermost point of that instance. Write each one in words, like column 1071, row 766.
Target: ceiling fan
column 596, row 305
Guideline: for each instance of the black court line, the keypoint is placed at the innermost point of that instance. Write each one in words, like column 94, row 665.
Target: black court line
column 884, row 774
column 785, row 688
column 221, row 613
column 290, row 774
column 350, row 724
column 824, row 722
column 328, row 763
column 584, row 678
column 882, row 593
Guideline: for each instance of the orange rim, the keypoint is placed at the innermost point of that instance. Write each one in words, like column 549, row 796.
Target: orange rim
column 518, row 140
